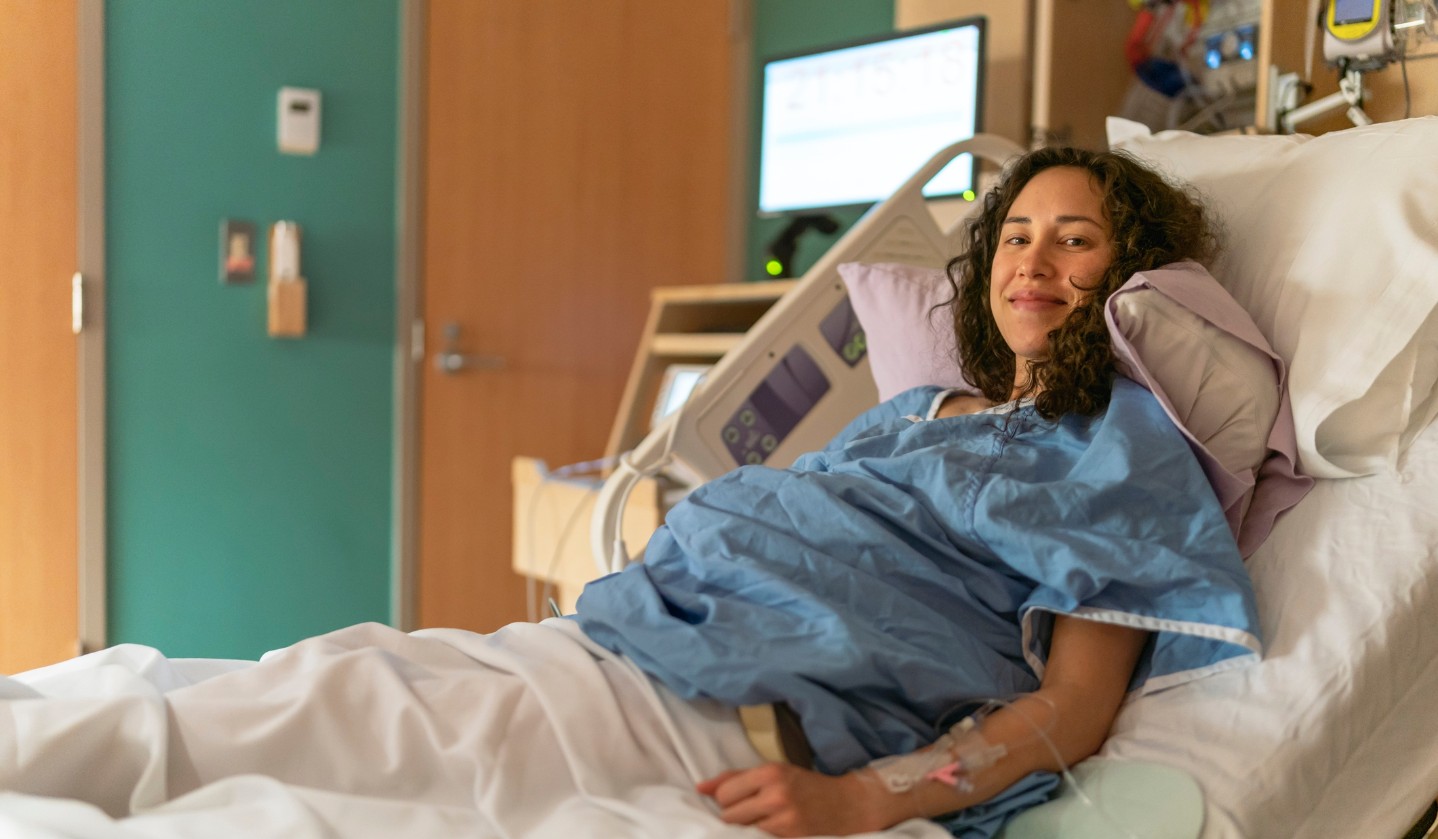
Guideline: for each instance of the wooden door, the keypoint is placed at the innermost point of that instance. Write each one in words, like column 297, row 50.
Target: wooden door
column 38, row 402
column 576, row 154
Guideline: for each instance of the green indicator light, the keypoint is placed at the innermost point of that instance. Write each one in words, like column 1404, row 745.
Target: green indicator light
column 969, row 195
column 774, row 267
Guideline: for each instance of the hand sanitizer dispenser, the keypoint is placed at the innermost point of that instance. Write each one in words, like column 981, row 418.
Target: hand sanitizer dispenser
column 287, row 287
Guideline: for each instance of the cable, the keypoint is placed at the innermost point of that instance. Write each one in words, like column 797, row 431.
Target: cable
column 585, row 467
column 559, row 551
column 1058, row 758
column 619, row 553
column 547, row 477
column 530, row 606
column 1407, row 95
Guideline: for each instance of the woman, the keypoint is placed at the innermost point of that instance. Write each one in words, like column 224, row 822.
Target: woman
column 1061, row 232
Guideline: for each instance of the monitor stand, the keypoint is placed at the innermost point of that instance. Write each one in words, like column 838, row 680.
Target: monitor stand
column 781, row 250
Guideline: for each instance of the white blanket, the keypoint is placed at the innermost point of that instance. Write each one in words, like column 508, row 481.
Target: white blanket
column 530, row 732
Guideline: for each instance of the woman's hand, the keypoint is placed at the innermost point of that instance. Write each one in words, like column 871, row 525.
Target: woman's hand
column 788, row 801
column 1088, row 672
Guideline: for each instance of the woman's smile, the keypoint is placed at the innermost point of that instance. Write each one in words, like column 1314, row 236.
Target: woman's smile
column 1034, row 301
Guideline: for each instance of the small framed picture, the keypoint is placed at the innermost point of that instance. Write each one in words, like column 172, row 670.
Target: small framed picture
column 237, row 251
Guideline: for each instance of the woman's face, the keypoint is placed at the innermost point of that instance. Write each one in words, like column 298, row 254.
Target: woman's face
column 1054, row 242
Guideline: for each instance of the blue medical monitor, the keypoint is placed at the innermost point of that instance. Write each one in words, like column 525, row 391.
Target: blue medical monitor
column 845, row 126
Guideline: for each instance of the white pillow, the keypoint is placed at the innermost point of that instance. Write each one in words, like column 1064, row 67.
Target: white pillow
column 1332, row 246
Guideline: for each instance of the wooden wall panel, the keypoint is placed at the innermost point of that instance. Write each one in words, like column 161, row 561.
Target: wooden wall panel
column 38, row 467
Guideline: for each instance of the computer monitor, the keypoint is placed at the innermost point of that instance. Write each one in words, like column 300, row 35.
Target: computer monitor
column 845, row 126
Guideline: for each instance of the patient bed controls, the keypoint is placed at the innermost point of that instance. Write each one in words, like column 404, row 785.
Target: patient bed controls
column 791, row 390
column 775, row 407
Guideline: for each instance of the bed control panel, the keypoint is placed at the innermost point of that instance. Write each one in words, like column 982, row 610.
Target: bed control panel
column 775, row 407
column 843, row 334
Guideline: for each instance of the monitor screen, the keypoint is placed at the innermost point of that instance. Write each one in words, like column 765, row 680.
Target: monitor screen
column 847, row 126
column 1353, row 11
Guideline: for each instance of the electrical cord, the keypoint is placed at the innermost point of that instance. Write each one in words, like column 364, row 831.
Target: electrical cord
column 1407, row 94
column 619, row 553
column 558, row 553
column 547, row 478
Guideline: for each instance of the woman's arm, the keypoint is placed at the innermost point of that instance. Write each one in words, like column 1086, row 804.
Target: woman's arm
column 1087, row 674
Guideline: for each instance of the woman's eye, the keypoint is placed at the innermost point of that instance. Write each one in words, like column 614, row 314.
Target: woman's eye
column 1075, row 241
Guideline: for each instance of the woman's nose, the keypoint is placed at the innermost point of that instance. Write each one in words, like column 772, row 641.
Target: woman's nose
column 1037, row 263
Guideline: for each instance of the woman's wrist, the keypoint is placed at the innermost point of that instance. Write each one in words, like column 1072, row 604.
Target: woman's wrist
column 880, row 806
column 866, row 793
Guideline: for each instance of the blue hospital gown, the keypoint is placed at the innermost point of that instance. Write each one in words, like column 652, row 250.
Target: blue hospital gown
column 913, row 566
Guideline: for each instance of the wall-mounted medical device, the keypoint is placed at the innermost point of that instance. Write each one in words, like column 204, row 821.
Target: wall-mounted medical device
column 1359, row 33
column 802, row 371
column 299, row 120
column 1359, row 36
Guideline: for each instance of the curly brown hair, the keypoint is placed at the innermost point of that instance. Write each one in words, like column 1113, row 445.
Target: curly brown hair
column 1153, row 221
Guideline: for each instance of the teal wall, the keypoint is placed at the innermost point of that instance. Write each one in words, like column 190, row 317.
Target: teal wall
column 248, row 478
column 785, row 27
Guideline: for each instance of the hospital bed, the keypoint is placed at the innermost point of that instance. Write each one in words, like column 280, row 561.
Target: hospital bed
column 1333, row 247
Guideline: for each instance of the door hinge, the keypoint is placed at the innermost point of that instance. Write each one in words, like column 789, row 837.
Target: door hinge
column 416, row 341
column 77, row 303
column 738, row 20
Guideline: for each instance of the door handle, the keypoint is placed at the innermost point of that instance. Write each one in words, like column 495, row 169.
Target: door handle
column 453, row 362
column 450, row 360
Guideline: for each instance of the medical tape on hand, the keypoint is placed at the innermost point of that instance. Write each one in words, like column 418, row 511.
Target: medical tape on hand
column 954, row 759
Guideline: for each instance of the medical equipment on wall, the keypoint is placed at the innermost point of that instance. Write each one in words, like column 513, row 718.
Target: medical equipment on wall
column 1359, row 36
column 1195, row 64
column 802, row 371
column 1226, row 73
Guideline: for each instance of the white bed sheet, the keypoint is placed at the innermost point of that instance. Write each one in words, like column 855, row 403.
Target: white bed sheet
column 530, row 732
column 1334, row 733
